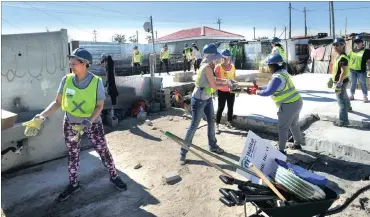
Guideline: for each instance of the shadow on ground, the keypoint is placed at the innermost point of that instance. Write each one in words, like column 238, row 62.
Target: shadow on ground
column 346, row 170
column 34, row 193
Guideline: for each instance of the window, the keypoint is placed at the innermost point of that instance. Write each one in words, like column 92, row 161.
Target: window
column 301, row 49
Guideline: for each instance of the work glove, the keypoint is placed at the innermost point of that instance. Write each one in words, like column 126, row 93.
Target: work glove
column 338, row 86
column 80, row 128
column 232, row 84
column 33, row 126
column 330, row 83
column 246, row 192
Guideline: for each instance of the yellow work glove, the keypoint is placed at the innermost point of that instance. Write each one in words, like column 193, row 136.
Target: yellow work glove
column 330, row 83
column 80, row 128
column 33, row 126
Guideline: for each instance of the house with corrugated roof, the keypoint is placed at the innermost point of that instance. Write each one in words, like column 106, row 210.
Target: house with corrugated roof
column 200, row 35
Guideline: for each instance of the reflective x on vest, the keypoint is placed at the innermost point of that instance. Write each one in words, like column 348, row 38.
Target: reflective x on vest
column 208, row 90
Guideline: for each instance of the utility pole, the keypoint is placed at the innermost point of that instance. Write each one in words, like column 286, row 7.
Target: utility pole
column 94, row 33
column 151, row 24
column 285, row 32
column 254, row 33
column 275, row 32
column 332, row 18
column 345, row 29
column 290, row 20
column 137, row 37
column 47, row 30
column 305, row 22
column 340, row 32
column 219, row 21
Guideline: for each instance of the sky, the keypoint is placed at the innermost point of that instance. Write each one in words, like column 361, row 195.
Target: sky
column 109, row 18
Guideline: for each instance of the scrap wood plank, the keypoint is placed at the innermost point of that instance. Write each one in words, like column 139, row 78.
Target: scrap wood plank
column 7, row 119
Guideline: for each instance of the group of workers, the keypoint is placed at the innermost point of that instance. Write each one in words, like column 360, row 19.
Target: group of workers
column 81, row 96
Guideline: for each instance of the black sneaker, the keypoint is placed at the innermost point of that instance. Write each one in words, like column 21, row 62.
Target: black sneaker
column 120, row 185
column 68, row 192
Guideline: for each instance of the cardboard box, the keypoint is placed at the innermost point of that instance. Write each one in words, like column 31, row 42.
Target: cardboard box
column 8, row 119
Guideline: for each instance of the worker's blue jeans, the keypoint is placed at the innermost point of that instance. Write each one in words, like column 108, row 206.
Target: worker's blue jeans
column 198, row 108
column 361, row 76
column 343, row 102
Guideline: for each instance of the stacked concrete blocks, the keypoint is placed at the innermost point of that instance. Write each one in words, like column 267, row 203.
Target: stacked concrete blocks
column 163, row 97
column 183, row 76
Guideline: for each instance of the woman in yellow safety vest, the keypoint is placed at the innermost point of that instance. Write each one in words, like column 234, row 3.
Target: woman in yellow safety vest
column 278, row 48
column 201, row 102
column 136, row 60
column 225, row 70
column 359, row 56
column 288, row 101
column 164, row 56
column 187, row 54
column 81, row 96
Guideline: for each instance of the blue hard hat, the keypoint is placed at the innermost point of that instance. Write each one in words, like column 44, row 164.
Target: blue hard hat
column 275, row 40
column 82, row 54
column 339, row 41
column 226, row 53
column 358, row 38
column 275, row 58
column 164, row 45
column 193, row 44
column 186, row 45
column 211, row 53
column 230, row 42
column 135, row 47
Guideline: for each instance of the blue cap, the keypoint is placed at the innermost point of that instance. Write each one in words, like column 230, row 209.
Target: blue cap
column 82, row 54
column 339, row 41
column 358, row 38
column 186, row 45
column 210, row 50
column 135, row 47
column 226, row 53
column 275, row 40
column 274, row 59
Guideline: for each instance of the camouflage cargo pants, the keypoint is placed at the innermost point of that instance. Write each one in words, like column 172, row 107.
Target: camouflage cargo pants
column 96, row 136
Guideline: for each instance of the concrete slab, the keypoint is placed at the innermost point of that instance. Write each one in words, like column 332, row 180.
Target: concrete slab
column 261, row 112
column 338, row 141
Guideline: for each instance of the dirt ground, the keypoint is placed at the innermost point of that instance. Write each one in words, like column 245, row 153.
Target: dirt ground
column 197, row 194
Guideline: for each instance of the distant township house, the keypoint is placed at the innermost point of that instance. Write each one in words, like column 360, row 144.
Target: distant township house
column 200, row 35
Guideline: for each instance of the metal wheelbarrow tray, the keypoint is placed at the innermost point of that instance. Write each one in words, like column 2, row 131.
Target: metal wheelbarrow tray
column 318, row 208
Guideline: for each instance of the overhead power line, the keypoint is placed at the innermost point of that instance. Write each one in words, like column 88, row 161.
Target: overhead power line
column 119, row 12
column 12, row 24
column 56, row 17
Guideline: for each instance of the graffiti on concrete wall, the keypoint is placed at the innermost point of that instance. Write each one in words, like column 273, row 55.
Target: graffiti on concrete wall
column 33, row 60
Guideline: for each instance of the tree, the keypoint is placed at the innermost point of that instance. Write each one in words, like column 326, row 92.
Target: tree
column 133, row 39
column 119, row 38
column 149, row 38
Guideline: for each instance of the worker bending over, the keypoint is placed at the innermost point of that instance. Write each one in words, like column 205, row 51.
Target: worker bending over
column 340, row 76
column 287, row 100
column 359, row 56
column 136, row 60
column 201, row 102
column 225, row 70
column 164, row 56
column 197, row 55
column 187, row 53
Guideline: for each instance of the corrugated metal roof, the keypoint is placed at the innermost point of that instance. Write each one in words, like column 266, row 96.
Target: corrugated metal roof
column 199, row 32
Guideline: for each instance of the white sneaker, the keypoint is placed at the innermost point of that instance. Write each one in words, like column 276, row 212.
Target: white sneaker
column 366, row 99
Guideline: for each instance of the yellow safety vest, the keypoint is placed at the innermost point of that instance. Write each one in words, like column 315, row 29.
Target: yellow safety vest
column 188, row 54
column 209, row 90
column 335, row 67
column 79, row 102
column 289, row 94
column 356, row 59
column 281, row 52
column 165, row 54
column 223, row 74
column 137, row 57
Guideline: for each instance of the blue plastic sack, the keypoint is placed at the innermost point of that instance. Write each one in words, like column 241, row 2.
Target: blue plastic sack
column 303, row 173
